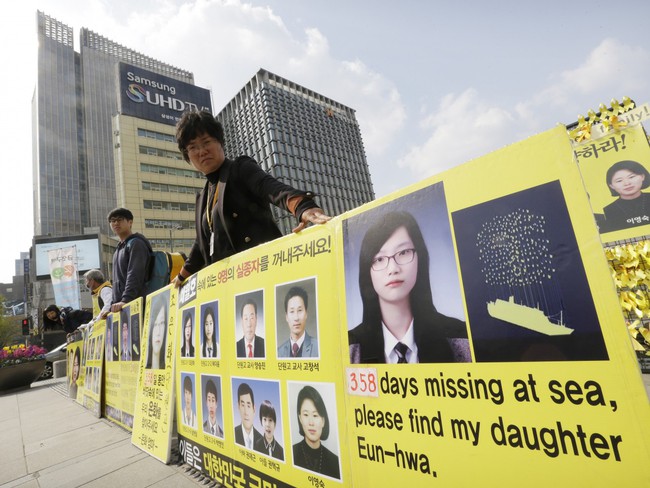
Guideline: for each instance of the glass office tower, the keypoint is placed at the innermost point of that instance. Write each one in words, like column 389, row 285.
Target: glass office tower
column 302, row 138
column 75, row 99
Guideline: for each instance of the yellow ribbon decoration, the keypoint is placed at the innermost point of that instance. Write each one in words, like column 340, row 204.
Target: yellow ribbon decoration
column 582, row 131
column 628, row 104
column 630, row 269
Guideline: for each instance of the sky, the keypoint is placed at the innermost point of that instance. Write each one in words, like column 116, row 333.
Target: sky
column 434, row 83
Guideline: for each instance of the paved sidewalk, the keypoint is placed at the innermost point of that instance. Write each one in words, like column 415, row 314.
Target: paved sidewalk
column 47, row 440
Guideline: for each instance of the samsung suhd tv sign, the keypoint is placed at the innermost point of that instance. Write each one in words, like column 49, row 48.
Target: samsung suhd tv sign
column 148, row 95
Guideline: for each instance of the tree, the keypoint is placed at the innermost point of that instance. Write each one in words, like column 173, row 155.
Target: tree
column 9, row 327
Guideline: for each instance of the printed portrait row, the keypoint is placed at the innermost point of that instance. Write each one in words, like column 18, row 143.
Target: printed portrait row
column 259, row 423
column 123, row 336
column 295, row 325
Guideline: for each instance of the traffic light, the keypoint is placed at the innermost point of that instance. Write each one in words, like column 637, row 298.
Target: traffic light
column 27, row 325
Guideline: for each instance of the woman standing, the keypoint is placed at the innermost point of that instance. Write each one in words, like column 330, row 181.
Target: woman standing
column 232, row 210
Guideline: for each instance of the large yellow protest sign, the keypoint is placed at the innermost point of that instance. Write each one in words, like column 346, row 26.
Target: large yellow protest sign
column 123, row 353
column 92, row 366
column 271, row 314
column 484, row 339
column 153, row 416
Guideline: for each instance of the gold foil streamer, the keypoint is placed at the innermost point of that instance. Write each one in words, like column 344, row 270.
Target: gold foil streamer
column 630, row 269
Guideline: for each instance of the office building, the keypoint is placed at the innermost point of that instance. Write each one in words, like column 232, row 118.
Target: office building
column 75, row 99
column 104, row 121
column 302, row 138
column 103, row 136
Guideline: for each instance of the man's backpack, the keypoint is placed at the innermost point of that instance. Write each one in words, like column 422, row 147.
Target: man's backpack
column 163, row 266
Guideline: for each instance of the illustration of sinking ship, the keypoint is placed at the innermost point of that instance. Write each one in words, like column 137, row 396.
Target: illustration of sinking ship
column 527, row 317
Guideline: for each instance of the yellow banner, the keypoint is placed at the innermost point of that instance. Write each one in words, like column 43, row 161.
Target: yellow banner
column 75, row 372
column 122, row 359
column 488, row 284
column 239, row 412
column 153, row 416
column 89, row 394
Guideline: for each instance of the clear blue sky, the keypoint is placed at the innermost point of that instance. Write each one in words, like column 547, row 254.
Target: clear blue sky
column 434, row 83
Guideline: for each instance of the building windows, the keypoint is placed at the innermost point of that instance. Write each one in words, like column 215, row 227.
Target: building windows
column 165, row 170
column 159, row 205
column 159, row 136
column 160, row 153
column 164, row 187
column 168, row 224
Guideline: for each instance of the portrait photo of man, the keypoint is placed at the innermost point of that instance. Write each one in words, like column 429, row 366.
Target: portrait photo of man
column 251, row 345
column 245, row 433
column 189, row 411
column 211, row 406
column 299, row 314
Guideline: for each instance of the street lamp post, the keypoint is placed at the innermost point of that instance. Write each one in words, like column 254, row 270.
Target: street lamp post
column 171, row 238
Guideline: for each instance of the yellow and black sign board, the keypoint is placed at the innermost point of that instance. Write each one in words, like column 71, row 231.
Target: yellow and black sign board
column 486, row 344
column 122, row 359
column 153, row 415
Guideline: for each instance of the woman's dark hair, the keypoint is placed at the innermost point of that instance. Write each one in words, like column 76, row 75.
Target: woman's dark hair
column 187, row 315
column 376, row 236
column 209, row 311
column 310, row 393
column 47, row 322
column 267, row 410
column 159, row 303
column 629, row 165
column 420, row 297
column 194, row 124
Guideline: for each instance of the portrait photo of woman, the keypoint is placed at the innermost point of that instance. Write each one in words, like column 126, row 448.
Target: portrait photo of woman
column 74, row 377
column 210, row 345
column 187, row 331
column 314, row 426
column 400, row 323
column 135, row 336
column 626, row 180
column 157, row 343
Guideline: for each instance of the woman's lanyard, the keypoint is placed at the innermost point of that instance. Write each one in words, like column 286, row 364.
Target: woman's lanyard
column 208, row 216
